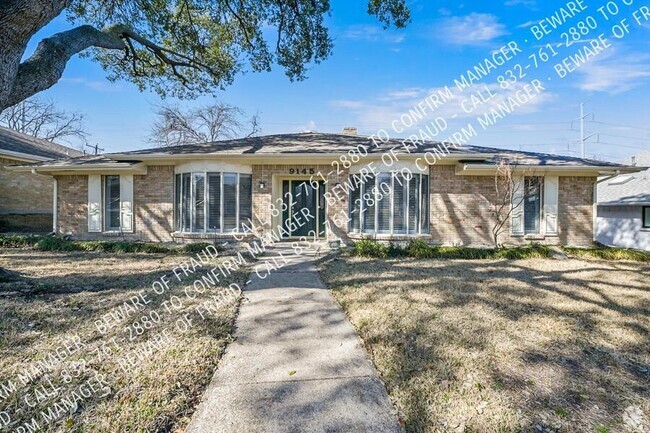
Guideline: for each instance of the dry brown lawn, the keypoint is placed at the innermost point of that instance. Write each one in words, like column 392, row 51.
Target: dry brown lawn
column 144, row 377
column 536, row 345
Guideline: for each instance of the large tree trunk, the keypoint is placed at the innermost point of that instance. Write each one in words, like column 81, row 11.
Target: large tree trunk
column 19, row 20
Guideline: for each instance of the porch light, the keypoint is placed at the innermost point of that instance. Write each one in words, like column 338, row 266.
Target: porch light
column 262, row 184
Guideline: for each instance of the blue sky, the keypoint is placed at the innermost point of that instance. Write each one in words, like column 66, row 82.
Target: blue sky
column 374, row 75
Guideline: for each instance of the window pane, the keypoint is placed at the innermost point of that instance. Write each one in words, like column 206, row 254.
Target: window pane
column 532, row 204
column 112, row 202
column 383, row 202
column 646, row 217
column 214, row 202
column 400, row 191
column 229, row 201
column 198, row 204
column 322, row 209
column 186, row 199
column 414, row 204
column 245, row 200
column 177, row 202
column 369, row 202
column 424, row 204
column 354, row 205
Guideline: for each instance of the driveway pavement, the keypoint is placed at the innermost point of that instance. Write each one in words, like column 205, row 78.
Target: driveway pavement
column 297, row 364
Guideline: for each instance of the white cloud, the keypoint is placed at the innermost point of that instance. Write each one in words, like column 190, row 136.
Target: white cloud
column 532, row 4
column 614, row 74
column 373, row 34
column 472, row 29
column 100, row 86
column 382, row 110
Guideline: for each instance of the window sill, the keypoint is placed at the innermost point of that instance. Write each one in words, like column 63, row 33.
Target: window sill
column 383, row 236
column 185, row 235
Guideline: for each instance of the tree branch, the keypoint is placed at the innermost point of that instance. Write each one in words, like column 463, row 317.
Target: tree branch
column 45, row 67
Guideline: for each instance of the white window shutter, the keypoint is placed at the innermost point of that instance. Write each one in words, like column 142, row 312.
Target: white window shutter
column 94, row 203
column 126, row 202
column 551, row 189
column 517, row 214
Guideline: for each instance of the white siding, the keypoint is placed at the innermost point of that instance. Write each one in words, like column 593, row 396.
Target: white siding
column 621, row 226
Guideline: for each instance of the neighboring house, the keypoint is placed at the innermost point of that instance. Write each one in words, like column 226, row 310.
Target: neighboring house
column 624, row 208
column 316, row 186
column 26, row 198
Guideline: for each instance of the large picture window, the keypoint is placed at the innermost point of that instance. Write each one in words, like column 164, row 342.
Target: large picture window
column 390, row 203
column 212, row 202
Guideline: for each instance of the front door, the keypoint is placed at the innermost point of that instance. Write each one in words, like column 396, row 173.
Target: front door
column 304, row 208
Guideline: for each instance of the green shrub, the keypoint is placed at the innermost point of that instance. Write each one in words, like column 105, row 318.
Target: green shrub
column 609, row 253
column 195, row 248
column 15, row 241
column 370, row 248
column 419, row 249
column 54, row 243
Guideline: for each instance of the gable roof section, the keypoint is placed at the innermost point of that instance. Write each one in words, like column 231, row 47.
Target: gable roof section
column 27, row 147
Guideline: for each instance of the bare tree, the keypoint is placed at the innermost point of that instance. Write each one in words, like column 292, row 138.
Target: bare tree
column 43, row 119
column 177, row 126
column 509, row 197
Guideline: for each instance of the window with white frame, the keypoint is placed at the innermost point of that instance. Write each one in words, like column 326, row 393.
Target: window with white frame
column 212, row 202
column 646, row 217
column 389, row 203
column 112, row 203
column 535, row 205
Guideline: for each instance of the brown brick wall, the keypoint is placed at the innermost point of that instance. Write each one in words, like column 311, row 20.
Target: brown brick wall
column 576, row 211
column 153, row 206
column 154, row 203
column 461, row 210
column 460, row 206
column 25, row 200
column 72, row 205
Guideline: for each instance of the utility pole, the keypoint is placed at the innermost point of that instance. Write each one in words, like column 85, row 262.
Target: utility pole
column 95, row 148
column 583, row 139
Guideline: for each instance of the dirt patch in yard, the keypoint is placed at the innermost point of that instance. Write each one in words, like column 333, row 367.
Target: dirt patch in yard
column 534, row 345
column 86, row 343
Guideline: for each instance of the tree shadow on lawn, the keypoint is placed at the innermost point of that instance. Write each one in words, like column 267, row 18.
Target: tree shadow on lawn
column 551, row 349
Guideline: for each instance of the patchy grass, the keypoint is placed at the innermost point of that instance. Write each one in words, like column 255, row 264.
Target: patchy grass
column 54, row 299
column 55, row 243
column 419, row 249
column 505, row 346
column 608, row 253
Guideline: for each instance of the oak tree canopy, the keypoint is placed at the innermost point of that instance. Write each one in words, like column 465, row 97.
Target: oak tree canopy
column 175, row 47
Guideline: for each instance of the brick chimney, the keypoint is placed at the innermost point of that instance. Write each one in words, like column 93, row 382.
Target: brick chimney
column 349, row 130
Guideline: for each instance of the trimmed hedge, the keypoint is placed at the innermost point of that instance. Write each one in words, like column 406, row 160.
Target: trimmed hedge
column 419, row 249
column 55, row 243
column 609, row 253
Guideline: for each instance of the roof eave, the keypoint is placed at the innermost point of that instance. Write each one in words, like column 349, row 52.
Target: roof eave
column 100, row 168
column 595, row 170
column 22, row 156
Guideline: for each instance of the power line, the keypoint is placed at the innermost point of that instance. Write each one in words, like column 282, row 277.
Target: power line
column 619, row 125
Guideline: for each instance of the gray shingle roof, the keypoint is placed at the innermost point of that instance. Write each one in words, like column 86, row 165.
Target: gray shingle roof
column 324, row 143
column 627, row 189
column 14, row 141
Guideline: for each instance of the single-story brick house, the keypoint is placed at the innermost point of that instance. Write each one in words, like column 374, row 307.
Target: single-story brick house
column 26, row 198
column 329, row 186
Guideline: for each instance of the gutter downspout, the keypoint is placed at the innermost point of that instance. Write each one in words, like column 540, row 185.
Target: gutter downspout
column 55, row 207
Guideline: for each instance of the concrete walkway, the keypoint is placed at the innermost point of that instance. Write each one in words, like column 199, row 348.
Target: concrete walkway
column 297, row 364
